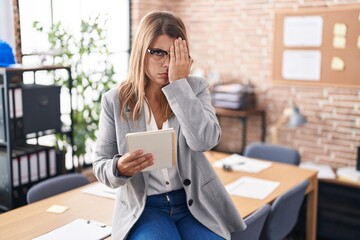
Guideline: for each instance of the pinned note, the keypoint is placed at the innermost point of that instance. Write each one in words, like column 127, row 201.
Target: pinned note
column 339, row 42
column 340, row 29
column 57, row 209
column 337, row 64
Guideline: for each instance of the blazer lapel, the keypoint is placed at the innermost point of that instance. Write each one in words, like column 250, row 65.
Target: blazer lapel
column 173, row 123
column 140, row 125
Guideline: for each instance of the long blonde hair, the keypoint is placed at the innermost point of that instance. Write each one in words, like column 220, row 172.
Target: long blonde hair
column 132, row 91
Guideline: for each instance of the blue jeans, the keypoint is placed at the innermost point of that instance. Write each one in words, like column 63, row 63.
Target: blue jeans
column 166, row 216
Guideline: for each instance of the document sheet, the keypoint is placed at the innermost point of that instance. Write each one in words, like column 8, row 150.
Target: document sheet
column 237, row 162
column 324, row 171
column 301, row 65
column 78, row 229
column 251, row 187
column 100, row 189
column 303, row 31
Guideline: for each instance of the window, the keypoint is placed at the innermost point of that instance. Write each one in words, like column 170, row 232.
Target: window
column 7, row 22
column 35, row 45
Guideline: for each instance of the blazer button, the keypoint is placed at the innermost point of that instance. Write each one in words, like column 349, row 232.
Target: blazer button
column 187, row 182
column 190, row 202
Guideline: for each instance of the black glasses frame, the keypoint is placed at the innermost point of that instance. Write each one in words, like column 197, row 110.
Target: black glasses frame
column 158, row 53
column 153, row 51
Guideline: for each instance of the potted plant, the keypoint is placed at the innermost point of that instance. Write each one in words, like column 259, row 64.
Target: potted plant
column 87, row 53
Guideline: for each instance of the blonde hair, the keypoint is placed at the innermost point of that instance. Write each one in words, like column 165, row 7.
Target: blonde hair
column 132, row 91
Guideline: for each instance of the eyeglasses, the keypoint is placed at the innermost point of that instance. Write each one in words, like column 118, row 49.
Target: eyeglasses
column 158, row 55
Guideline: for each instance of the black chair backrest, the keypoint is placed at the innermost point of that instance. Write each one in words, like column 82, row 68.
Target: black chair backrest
column 284, row 213
column 55, row 185
column 254, row 224
column 272, row 152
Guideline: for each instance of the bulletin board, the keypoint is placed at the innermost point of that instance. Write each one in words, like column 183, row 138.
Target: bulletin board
column 335, row 39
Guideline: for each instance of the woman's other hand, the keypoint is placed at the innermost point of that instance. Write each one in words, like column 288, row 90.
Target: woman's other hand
column 134, row 162
column 180, row 60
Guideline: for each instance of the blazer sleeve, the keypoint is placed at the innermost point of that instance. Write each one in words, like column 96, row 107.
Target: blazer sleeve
column 106, row 151
column 191, row 103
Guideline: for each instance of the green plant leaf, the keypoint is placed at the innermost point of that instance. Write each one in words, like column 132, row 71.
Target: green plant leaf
column 76, row 49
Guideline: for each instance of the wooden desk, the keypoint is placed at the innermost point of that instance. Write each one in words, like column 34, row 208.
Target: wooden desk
column 288, row 176
column 243, row 116
column 32, row 220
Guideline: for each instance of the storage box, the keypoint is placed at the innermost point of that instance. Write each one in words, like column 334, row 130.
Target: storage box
column 234, row 96
column 41, row 108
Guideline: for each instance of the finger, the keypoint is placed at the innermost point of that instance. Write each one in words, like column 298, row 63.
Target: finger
column 186, row 51
column 182, row 50
column 172, row 54
column 144, row 165
column 177, row 50
column 141, row 165
column 132, row 167
column 129, row 157
column 139, row 160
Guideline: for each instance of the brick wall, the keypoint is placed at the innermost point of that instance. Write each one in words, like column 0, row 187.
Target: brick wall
column 235, row 38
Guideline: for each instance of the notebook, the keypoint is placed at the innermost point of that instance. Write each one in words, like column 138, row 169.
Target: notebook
column 78, row 229
column 161, row 143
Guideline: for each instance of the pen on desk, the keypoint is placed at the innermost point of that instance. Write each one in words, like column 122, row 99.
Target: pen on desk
column 100, row 225
column 229, row 167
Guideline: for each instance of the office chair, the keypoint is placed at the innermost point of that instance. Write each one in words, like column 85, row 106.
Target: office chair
column 272, row 152
column 284, row 213
column 55, row 185
column 254, row 223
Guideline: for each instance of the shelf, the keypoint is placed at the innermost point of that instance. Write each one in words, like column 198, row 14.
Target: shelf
column 29, row 111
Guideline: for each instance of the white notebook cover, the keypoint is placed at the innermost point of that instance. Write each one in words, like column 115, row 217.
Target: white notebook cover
column 161, row 143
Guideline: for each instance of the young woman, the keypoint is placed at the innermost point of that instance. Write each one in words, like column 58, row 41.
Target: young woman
column 186, row 201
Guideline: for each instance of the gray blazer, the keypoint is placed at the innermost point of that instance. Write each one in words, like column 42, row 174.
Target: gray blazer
column 197, row 130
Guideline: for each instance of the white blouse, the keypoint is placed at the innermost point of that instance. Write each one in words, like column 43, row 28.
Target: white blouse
column 162, row 180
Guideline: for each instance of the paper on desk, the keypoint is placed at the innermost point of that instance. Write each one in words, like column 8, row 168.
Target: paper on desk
column 252, row 187
column 57, row 209
column 241, row 163
column 78, row 229
column 324, row 171
column 348, row 173
column 100, row 189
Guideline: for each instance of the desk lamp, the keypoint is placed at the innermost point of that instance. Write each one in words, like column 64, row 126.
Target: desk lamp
column 291, row 117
